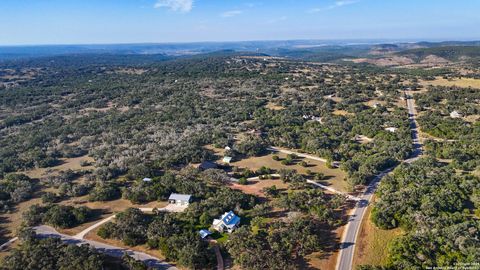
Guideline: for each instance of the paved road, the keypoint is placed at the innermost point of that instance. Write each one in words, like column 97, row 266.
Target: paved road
column 150, row 261
column 349, row 237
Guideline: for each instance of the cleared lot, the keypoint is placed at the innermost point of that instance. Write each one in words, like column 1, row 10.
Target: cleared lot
column 334, row 178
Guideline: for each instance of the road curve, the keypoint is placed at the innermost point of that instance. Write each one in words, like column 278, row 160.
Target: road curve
column 350, row 234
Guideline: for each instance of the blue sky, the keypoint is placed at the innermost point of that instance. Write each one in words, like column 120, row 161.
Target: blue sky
column 138, row 21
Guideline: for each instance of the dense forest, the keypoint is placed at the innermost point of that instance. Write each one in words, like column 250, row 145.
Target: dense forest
column 434, row 205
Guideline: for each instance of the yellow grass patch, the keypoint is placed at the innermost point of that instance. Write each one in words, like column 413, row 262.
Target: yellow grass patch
column 67, row 163
column 463, row 82
column 11, row 221
column 273, row 106
column 341, row 112
column 372, row 243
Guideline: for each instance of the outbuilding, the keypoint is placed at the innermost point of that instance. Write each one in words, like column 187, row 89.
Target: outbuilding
column 204, row 233
column 180, row 199
column 456, row 114
column 227, row 160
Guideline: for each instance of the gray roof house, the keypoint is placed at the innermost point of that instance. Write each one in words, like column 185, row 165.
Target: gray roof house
column 227, row 222
column 181, row 199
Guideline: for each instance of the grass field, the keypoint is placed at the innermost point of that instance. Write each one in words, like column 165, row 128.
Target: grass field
column 68, row 163
column 10, row 222
column 334, row 177
column 273, row 106
column 463, row 82
column 373, row 242
column 256, row 187
column 341, row 112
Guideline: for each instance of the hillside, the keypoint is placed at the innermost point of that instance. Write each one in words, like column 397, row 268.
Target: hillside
column 452, row 53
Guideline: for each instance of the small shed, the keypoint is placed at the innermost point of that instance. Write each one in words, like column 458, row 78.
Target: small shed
column 180, row 199
column 227, row 160
column 204, row 233
column 391, row 129
column 455, row 114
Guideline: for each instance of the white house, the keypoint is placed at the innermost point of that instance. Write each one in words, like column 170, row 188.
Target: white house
column 180, row 199
column 391, row 129
column 455, row 114
column 146, row 179
column 227, row 222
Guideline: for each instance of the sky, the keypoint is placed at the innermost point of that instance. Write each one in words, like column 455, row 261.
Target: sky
column 33, row 22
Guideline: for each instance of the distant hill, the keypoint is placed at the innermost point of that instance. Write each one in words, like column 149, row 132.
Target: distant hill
column 308, row 50
column 451, row 53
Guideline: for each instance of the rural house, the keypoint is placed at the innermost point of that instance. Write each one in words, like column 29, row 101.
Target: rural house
column 227, row 222
column 180, row 199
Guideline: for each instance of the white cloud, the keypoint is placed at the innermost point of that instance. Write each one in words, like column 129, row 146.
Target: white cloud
column 344, row 3
column 276, row 20
column 231, row 13
column 183, row 6
column 336, row 4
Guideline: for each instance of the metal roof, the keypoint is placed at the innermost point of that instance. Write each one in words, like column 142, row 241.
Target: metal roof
column 230, row 219
column 204, row 233
column 180, row 197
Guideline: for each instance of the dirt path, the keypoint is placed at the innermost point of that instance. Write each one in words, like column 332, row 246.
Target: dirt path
column 288, row 152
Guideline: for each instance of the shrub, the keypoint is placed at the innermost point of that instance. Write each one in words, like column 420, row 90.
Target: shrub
column 243, row 181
